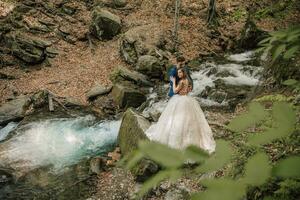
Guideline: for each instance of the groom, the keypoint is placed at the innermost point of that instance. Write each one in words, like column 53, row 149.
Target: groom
column 180, row 62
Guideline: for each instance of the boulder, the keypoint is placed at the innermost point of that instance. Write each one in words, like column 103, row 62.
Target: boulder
column 141, row 40
column 126, row 95
column 98, row 90
column 151, row 66
column 121, row 74
column 132, row 130
column 250, row 36
column 119, row 3
column 14, row 109
column 105, row 25
column 29, row 50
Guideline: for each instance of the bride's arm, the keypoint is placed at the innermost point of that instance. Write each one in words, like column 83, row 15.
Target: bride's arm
column 177, row 88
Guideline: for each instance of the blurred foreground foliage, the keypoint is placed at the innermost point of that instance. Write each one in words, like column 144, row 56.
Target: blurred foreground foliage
column 254, row 169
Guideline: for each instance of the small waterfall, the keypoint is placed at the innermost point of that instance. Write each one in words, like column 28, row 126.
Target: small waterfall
column 235, row 71
column 58, row 142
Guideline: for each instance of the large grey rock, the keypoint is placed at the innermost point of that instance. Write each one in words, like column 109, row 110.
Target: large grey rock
column 119, row 3
column 30, row 50
column 141, row 40
column 150, row 66
column 105, row 25
column 126, row 96
column 132, row 131
column 98, row 90
column 14, row 109
column 121, row 74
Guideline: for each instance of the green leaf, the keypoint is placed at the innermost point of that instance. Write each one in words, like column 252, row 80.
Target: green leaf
column 284, row 118
column 293, row 37
column 218, row 159
column 257, row 170
column 157, row 178
column 266, row 40
column 290, row 52
column 162, row 154
column 135, row 157
column 195, row 154
column 255, row 114
column 288, row 168
column 221, row 189
column 278, row 50
column 279, row 34
column 290, row 82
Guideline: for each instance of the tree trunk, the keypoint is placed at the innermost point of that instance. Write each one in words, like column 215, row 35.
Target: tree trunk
column 212, row 14
column 176, row 24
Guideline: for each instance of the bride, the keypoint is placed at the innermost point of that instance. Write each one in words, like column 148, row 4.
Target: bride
column 182, row 123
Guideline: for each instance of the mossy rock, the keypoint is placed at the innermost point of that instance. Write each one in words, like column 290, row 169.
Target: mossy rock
column 132, row 131
column 127, row 95
column 105, row 25
column 121, row 74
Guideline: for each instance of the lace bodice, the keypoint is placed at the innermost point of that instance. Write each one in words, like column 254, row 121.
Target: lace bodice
column 184, row 87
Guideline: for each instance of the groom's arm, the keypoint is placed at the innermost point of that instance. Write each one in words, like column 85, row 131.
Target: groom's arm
column 172, row 73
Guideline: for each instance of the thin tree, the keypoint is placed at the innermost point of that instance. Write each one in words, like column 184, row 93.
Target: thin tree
column 176, row 24
column 212, row 14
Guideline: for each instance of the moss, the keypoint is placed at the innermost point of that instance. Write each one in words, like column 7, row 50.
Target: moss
column 132, row 131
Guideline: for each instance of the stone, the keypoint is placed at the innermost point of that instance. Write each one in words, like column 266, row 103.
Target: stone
column 98, row 90
column 178, row 193
column 29, row 50
column 119, row 3
column 151, row 66
column 105, row 25
column 251, row 35
column 140, row 41
column 126, row 96
column 72, row 102
column 121, row 74
column 14, row 109
column 132, row 130
column 97, row 165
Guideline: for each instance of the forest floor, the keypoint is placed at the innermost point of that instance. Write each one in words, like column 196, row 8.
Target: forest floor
column 76, row 69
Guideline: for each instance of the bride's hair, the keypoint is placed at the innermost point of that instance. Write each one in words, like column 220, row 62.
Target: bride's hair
column 187, row 75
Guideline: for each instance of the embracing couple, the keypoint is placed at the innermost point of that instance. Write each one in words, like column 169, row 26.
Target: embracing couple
column 182, row 123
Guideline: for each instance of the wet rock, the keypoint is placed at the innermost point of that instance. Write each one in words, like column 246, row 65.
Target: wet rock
column 250, row 36
column 140, row 41
column 150, row 66
column 178, row 193
column 225, row 73
column 127, row 96
column 97, row 165
column 121, row 74
column 105, row 25
column 105, row 105
column 98, row 90
column 144, row 169
column 218, row 96
column 132, row 131
column 14, row 109
column 6, row 176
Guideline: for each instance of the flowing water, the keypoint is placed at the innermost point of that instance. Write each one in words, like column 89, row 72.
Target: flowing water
column 239, row 73
column 46, row 158
column 45, row 154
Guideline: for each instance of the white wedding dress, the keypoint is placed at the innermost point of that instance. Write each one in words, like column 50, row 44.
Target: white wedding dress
column 182, row 123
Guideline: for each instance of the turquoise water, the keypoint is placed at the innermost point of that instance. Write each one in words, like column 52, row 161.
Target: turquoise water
column 58, row 143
